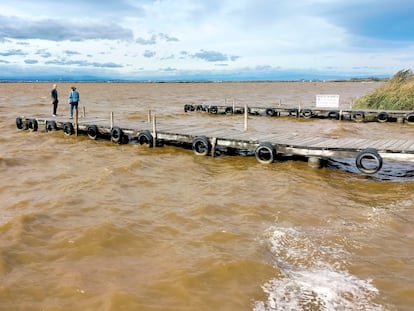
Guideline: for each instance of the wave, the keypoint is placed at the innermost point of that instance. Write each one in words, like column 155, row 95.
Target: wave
column 313, row 276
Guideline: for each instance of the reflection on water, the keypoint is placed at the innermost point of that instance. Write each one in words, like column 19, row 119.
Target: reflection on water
column 91, row 225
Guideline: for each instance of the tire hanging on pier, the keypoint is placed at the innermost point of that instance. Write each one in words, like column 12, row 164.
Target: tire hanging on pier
column 201, row 145
column 32, row 125
column 50, row 126
column 117, row 135
column 382, row 117
column 93, row 132
column 293, row 112
column 265, row 153
column 409, row 118
column 228, row 110
column 368, row 161
column 68, row 129
column 20, row 124
column 213, row 109
column 307, row 113
column 333, row 115
column 188, row 107
column 270, row 112
column 145, row 138
column 358, row 116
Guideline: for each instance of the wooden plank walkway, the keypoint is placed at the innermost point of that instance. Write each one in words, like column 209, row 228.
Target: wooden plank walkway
column 228, row 139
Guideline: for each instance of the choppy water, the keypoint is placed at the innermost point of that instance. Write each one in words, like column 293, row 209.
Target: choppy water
column 91, row 225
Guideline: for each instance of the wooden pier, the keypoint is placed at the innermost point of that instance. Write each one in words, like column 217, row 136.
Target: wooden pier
column 266, row 147
column 358, row 115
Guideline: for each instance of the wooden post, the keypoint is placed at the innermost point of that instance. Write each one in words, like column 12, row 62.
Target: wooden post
column 76, row 121
column 245, row 116
column 149, row 116
column 315, row 162
column 213, row 146
column 112, row 120
column 83, row 111
column 154, row 132
column 233, row 104
column 298, row 115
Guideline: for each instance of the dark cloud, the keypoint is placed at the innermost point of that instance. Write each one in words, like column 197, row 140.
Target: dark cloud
column 83, row 64
column 167, row 38
column 43, row 53
column 31, row 61
column 58, row 30
column 168, row 57
column 69, row 53
column 168, row 69
column 150, row 41
column 12, row 52
column 149, row 54
column 155, row 38
column 212, row 56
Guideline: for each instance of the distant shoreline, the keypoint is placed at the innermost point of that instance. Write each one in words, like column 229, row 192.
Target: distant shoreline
column 196, row 81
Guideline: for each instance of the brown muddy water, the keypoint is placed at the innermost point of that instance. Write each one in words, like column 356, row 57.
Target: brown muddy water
column 91, row 225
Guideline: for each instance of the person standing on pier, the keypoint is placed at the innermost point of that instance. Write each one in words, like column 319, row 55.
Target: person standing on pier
column 54, row 98
column 73, row 100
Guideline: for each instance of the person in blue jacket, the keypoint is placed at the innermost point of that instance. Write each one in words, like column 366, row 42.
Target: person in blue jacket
column 73, row 100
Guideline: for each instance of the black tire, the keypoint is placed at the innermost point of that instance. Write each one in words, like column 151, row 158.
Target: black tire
column 265, row 153
column 187, row 108
column 145, row 138
column 20, row 124
column 199, row 108
column 293, row 112
column 374, row 164
column 117, row 135
column 238, row 111
column 270, row 112
column 358, row 116
column 32, row 125
column 213, row 109
column 228, row 110
column 382, row 117
column 307, row 113
column 333, row 115
column 93, row 132
column 50, row 126
column 68, row 129
column 201, row 146
column 409, row 118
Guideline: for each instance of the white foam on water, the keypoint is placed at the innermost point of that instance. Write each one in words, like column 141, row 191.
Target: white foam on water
column 313, row 275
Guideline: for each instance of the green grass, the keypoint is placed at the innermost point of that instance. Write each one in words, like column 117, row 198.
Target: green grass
column 396, row 94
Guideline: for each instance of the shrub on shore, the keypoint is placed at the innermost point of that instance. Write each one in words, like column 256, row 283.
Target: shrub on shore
column 396, row 94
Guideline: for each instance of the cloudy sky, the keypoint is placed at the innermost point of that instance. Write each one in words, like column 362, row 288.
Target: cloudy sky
column 212, row 39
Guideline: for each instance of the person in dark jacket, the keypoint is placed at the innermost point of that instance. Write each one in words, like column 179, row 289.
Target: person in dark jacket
column 73, row 100
column 54, row 98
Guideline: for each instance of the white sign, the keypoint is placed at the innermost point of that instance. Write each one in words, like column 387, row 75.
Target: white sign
column 327, row 101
